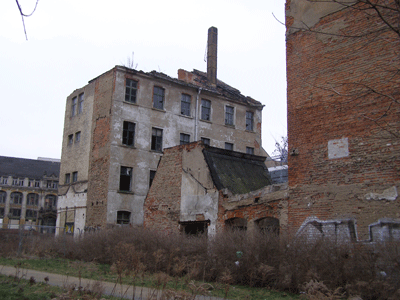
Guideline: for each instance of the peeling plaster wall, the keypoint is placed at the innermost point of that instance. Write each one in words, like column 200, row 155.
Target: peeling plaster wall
column 344, row 166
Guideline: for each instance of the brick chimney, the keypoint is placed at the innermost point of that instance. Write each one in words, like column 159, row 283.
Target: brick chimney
column 212, row 55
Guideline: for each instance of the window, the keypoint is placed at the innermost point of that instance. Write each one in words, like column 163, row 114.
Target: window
column 33, row 199
column 185, row 105
column 74, row 176
column 52, row 184
column 123, row 217
column 205, row 141
column 229, row 146
column 1, row 212
column 205, row 110
column 31, row 182
column 50, row 202
column 3, row 196
column 70, row 139
column 73, row 107
column 158, row 97
column 156, row 139
column 152, row 175
column 80, row 103
column 249, row 120
column 31, row 214
column 125, row 179
column 37, row 183
column 77, row 137
column 16, row 198
column 67, row 178
column 4, row 180
column 184, row 139
column 18, row 182
column 15, row 212
column 229, row 112
column 130, row 90
column 128, row 134
column 249, row 150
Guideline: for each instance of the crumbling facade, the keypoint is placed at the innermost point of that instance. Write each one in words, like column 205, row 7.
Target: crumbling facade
column 343, row 120
column 204, row 189
column 28, row 191
column 117, row 126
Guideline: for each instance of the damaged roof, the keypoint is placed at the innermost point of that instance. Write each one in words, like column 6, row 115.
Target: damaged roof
column 31, row 168
column 238, row 172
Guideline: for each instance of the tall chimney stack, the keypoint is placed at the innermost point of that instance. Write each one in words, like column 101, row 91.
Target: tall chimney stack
column 212, row 55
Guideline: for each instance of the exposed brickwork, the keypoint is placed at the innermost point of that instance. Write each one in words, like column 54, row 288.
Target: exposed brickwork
column 100, row 153
column 336, row 86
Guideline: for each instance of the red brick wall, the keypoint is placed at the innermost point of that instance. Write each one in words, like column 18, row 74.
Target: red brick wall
column 100, row 153
column 336, row 86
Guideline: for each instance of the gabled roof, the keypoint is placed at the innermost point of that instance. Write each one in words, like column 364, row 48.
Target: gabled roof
column 31, row 168
column 240, row 173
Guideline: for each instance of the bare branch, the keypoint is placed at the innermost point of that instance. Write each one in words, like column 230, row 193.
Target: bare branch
column 25, row 15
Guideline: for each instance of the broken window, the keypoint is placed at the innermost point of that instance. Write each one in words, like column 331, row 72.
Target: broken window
column 152, row 175
column 185, row 105
column 184, row 139
column 74, row 176
column 268, row 225
column 31, row 214
column 77, row 137
column 205, row 110
column 123, row 217
column 15, row 212
column 195, row 227
column 3, row 197
column 249, row 120
column 50, row 202
column 250, row 150
column 73, row 107
column 130, row 90
column 67, row 178
column 229, row 112
column 70, row 139
column 128, row 133
column 125, row 179
column 206, row 141
column 229, row 146
column 236, row 224
column 33, row 199
column 80, row 103
column 156, row 139
column 158, row 97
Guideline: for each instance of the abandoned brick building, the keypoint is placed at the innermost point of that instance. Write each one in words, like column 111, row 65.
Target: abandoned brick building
column 198, row 188
column 117, row 126
column 343, row 119
column 28, row 191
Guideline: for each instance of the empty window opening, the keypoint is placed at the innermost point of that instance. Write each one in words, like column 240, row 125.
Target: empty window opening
column 73, row 106
column 67, row 178
column 125, row 179
column 156, row 139
column 206, row 141
column 236, row 224
column 70, row 139
column 250, row 150
column 249, row 120
column 268, row 225
column 184, row 139
column 185, row 104
column 229, row 114
column 152, row 175
column 123, row 217
column 128, row 134
column 158, row 97
column 205, row 110
column 74, row 176
column 80, row 103
column 3, row 197
column 229, row 146
column 77, row 137
column 130, row 90
column 195, row 227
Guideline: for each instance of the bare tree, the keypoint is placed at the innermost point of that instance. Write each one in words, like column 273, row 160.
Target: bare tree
column 25, row 15
column 281, row 150
column 130, row 62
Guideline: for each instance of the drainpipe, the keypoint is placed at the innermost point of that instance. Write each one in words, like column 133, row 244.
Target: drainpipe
column 196, row 116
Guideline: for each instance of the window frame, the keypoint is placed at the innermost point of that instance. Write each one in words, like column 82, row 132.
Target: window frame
column 186, row 101
column 131, row 90
column 70, row 139
column 75, row 176
column 125, row 179
column 128, row 133
column 205, row 111
column 32, row 201
column 123, row 220
column 3, row 197
column 77, row 137
column 156, row 139
column 206, row 141
column 67, row 178
column 229, row 146
column 250, row 150
column 80, row 103
column 151, row 177
column 73, row 106
column 249, row 121
column 20, row 199
column 158, row 98
column 229, row 115
column 184, row 138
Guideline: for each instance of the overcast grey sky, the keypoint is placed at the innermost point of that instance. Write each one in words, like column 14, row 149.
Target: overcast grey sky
column 72, row 41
